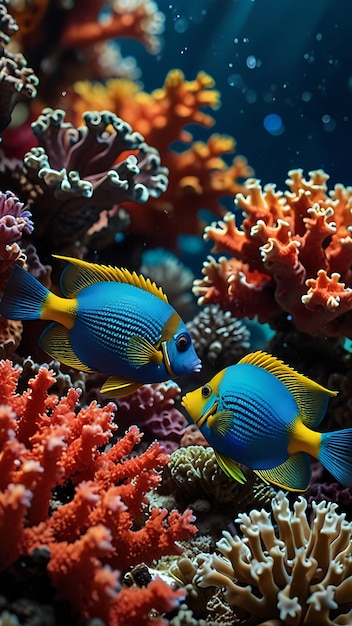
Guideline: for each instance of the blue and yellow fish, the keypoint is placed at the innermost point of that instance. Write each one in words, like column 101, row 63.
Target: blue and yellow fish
column 261, row 413
column 110, row 321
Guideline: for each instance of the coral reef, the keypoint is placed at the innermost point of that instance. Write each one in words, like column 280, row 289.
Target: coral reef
column 290, row 572
column 200, row 176
column 289, row 259
column 15, row 221
column 166, row 270
column 135, row 19
column 105, row 526
column 219, row 339
column 77, row 189
column 17, row 80
column 153, row 408
column 194, row 479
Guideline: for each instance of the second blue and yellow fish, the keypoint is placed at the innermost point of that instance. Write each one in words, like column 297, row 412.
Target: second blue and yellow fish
column 110, row 321
column 261, row 413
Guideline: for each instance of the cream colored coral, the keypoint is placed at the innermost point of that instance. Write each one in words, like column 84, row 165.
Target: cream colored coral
column 287, row 569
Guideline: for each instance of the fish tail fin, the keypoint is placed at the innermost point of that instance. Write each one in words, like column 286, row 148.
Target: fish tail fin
column 24, row 296
column 336, row 454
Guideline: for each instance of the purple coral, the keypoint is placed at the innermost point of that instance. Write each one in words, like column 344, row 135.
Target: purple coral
column 14, row 221
column 152, row 407
column 77, row 173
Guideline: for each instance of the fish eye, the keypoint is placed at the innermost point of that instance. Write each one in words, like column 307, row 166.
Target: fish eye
column 183, row 342
column 206, row 391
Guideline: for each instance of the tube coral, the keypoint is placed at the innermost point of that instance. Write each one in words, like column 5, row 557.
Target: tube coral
column 78, row 189
column 290, row 258
column 289, row 571
column 106, row 525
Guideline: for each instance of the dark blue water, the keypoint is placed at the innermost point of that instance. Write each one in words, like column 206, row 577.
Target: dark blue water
column 284, row 70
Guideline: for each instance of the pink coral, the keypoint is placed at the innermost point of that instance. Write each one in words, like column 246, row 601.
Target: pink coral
column 106, row 526
column 14, row 221
column 290, row 257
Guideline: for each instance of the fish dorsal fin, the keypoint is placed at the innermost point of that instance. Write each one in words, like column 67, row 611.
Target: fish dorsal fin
column 311, row 398
column 230, row 468
column 55, row 341
column 294, row 474
column 80, row 274
column 115, row 387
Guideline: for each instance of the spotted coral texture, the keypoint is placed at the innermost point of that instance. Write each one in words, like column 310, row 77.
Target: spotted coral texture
column 287, row 570
column 290, row 258
column 193, row 472
column 219, row 338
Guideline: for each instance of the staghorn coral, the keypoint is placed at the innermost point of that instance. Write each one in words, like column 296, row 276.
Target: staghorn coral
column 75, row 173
column 17, row 80
column 289, row 259
column 200, row 176
column 293, row 574
column 106, row 525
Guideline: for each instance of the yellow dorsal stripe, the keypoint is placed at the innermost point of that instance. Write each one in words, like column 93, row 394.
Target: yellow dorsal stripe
column 81, row 274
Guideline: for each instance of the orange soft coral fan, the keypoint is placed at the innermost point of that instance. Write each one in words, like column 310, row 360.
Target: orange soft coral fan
column 106, row 525
column 199, row 175
column 291, row 256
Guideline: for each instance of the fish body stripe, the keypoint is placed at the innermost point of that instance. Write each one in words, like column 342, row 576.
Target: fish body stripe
column 109, row 314
column 257, row 437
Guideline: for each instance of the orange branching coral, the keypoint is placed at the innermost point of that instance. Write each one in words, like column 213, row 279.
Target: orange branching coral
column 106, row 526
column 137, row 19
column 291, row 256
column 200, row 177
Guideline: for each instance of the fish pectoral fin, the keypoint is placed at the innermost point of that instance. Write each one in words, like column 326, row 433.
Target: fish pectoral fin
column 115, row 387
column 294, row 474
column 221, row 421
column 230, row 468
column 56, row 342
column 141, row 352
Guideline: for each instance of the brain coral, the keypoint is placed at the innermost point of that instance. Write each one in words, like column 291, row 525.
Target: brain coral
column 288, row 571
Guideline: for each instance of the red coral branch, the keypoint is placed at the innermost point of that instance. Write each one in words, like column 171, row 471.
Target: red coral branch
column 107, row 525
column 291, row 256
